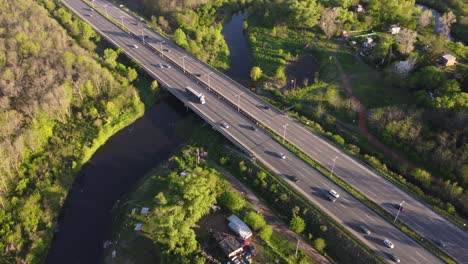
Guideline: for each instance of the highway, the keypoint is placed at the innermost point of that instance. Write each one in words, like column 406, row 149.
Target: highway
column 417, row 215
column 347, row 210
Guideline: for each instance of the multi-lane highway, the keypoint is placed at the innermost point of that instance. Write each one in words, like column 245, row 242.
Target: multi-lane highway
column 417, row 215
column 347, row 210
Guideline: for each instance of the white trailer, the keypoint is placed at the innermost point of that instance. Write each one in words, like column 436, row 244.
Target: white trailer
column 198, row 95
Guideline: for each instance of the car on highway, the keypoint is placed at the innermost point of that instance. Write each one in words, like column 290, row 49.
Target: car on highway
column 334, row 194
column 399, row 207
column 266, row 107
column 395, row 258
column 224, row 124
column 197, row 75
column 135, row 46
column 439, row 242
column 166, row 50
column 365, row 230
column 167, row 66
column 331, row 198
column 388, row 243
column 281, row 155
column 253, row 128
column 294, row 179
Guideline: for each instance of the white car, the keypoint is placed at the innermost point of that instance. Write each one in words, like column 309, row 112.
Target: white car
column 334, row 194
column 135, row 46
column 225, row 125
column 281, row 155
column 388, row 243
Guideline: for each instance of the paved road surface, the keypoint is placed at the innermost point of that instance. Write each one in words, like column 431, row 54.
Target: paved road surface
column 347, row 210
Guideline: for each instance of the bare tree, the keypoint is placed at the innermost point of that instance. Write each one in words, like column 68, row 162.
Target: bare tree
column 328, row 22
column 425, row 18
column 446, row 22
column 406, row 39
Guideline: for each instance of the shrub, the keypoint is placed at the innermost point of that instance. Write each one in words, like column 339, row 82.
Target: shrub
column 254, row 220
column 232, row 201
column 320, row 244
column 266, row 232
column 297, row 224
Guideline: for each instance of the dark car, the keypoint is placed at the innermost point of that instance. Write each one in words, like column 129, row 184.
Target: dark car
column 294, row 179
column 331, row 198
column 399, row 207
column 439, row 242
column 197, row 75
column 266, row 107
column 365, row 230
column 395, row 258
column 253, row 128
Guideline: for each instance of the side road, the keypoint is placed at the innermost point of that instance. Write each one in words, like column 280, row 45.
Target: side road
column 276, row 223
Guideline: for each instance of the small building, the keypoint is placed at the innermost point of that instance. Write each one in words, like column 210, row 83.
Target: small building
column 144, row 211
column 138, row 227
column 229, row 244
column 394, row 29
column 368, row 42
column 359, row 9
column 448, row 60
column 239, row 227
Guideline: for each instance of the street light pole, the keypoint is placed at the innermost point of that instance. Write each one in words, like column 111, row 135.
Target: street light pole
column 333, row 166
column 208, row 75
column 183, row 62
column 143, row 35
column 160, row 47
column 238, row 100
column 398, row 212
column 284, row 131
column 105, row 8
column 121, row 20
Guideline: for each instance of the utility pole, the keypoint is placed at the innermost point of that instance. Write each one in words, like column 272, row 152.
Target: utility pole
column 105, row 8
column 238, row 100
column 183, row 62
column 284, row 131
column 208, row 75
column 160, row 47
column 121, row 20
column 297, row 247
column 143, row 35
column 398, row 212
column 333, row 166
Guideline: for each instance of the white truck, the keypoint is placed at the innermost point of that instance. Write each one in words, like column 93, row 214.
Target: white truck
column 193, row 92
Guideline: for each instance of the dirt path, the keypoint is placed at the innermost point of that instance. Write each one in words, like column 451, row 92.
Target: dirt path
column 273, row 220
column 362, row 122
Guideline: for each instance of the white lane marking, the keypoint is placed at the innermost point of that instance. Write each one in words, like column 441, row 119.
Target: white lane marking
column 393, row 235
column 421, row 255
column 368, row 217
column 342, row 205
column 371, row 192
column 414, row 260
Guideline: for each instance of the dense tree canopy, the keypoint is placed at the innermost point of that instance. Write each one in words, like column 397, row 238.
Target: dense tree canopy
column 55, row 99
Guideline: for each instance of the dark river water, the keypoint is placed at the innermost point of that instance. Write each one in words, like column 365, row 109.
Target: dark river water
column 113, row 170
column 240, row 57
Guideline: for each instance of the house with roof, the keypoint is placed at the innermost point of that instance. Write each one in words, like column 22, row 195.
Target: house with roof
column 448, row 60
column 228, row 243
column 394, row 29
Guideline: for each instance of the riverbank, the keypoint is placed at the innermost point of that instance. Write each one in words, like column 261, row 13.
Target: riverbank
column 111, row 172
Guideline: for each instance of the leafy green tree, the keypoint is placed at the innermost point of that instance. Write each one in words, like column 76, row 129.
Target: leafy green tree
column 110, row 58
column 266, row 233
column 256, row 73
column 254, row 220
column 297, row 224
column 304, row 13
column 320, row 244
column 232, row 200
column 422, row 176
column 180, row 38
column 154, row 86
column 131, row 74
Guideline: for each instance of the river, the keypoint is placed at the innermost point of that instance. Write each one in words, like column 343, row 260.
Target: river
column 85, row 220
column 240, row 57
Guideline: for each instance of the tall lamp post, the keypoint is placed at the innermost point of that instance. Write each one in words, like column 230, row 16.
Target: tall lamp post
column 105, row 8
column 121, row 21
column 160, row 46
column 333, row 166
column 183, row 62
column 398, row 212
column 238, row 100
column 284, row 131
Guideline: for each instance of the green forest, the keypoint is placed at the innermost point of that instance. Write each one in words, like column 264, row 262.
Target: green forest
column 58, row 103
